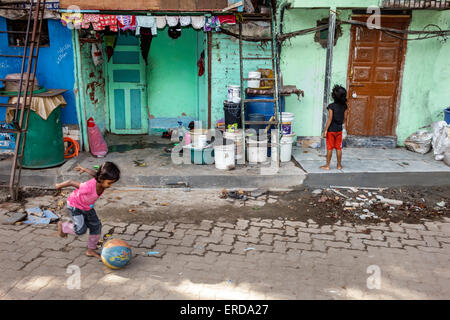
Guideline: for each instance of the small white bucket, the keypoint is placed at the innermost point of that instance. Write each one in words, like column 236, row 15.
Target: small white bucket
column 254, row 83
column 287, row 119
column 238, row 138
column 234, row 94
column 224, row 156
column 257, row 151
column 286, row 147
column 199, row 138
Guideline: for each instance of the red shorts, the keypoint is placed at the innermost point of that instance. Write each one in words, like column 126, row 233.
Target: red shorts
column 334, row 140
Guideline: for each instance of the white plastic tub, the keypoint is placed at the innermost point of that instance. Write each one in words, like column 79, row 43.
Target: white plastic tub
column 257, row 151
column 254, row 83
column 287, row 120
column 224, row 156
column 286, row 147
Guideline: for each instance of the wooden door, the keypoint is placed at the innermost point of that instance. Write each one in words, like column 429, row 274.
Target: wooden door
column 127, row 88
column 376, row 60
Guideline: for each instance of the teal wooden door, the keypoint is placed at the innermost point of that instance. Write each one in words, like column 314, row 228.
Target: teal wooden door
column 127, row 84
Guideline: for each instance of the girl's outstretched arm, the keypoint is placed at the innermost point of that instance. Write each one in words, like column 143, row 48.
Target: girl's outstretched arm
column 88, row 171
column 68, row 183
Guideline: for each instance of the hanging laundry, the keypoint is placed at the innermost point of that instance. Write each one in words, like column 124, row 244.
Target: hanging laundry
column 126, row 22
column 212, row 23
column 185, row 21
column 88, row 19
column 229, row 19
column 198, row 22
column 201, row 64
column 175, row 32
column 72, row 20
column 104, row 21
column 110, row 43
column 172, row 21
column 146, row 22
column 161, row 22
column 146, row 36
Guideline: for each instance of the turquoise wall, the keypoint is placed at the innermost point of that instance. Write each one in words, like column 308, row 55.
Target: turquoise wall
column 225, row 69
column 303, row 64
column 172, row 75
column 426, row 76
column 424, row 87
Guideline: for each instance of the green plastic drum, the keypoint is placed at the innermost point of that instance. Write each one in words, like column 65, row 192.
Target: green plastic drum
column 44, row 147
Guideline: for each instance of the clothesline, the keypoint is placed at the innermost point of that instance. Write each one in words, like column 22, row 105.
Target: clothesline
column 100, row 22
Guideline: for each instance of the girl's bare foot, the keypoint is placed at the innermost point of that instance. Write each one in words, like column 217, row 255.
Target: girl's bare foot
column 325, row 167
column 339, row 167
column 60, row 232
column 92, row 253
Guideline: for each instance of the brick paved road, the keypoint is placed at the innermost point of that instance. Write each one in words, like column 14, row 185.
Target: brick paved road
column 284, row 260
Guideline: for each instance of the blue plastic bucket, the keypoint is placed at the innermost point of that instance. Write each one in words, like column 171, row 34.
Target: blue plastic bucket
column 447, row 115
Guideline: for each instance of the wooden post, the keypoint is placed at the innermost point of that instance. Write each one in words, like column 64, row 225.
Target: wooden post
column 328, row 70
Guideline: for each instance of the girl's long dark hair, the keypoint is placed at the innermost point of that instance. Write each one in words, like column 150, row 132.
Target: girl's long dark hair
column 339, row 94
column 107, row 171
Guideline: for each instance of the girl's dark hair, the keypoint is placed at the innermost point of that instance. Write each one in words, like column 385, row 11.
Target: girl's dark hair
column 339, row 94
column 108, row 171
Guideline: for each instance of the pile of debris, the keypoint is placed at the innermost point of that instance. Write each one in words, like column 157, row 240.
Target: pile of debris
column 256, row 198
column 370, row 203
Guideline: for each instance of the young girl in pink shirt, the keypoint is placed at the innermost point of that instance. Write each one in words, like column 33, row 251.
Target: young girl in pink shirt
column 80, row 204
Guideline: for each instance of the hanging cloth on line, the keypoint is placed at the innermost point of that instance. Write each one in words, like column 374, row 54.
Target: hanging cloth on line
column 126, row 22
column 146, row 22
column 161, row 22
column 110, row 43
column 146, row 40
column 212, row 23
column 198, row 22
column 72, row 19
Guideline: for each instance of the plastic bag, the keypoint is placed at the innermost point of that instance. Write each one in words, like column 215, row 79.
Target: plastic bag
column 96, row 142
column 419, row 141
column 441, row 139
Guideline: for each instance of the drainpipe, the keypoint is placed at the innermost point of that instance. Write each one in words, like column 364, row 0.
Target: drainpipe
column 82, row 120
column 328, row 70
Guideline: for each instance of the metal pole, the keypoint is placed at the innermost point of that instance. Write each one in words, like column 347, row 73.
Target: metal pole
column 328, row 70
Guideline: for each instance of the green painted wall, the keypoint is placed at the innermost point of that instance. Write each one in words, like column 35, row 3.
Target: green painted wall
column 225, row 69
column 426, row 77
column 425, row 83
column 173, row 82
column 303, row 64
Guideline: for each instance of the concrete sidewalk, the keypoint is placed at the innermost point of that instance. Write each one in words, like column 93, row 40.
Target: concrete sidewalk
column 373, row 167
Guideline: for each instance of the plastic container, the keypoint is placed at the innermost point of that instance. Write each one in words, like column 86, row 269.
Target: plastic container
column 256, row 117
column 254, row 83
column 237, row 138
column 200, row 156
column 265, row 108
column 224, row 156
column 233, row 117
column 287, row 119
column 447, row 115
column 187, row 138
column 97, row 143
column 257, row 150
column 44, row 145
column 198, row 137
column 234, row 94
column 286, row 142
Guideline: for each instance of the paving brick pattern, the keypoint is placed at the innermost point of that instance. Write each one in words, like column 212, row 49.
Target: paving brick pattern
column 249, row 259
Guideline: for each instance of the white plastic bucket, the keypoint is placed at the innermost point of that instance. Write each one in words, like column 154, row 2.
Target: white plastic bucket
column 238, row 138
column 257, row 151
column 287, row 119
column 286, row 147
column 224, row 157
column 254, row 83
column 198, row 138
column 234, row 93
